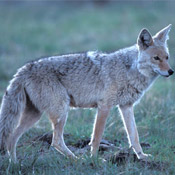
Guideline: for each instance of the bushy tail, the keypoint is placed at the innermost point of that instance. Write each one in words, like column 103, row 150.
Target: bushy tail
column 13, row 104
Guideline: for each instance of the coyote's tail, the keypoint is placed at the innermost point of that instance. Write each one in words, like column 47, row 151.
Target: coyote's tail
column 13, row 104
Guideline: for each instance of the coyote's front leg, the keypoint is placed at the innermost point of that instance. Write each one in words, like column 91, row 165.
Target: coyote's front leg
column 131, row 130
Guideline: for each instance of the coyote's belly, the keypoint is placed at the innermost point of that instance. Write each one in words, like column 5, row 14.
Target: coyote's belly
column 84, row 105
column 85, row 99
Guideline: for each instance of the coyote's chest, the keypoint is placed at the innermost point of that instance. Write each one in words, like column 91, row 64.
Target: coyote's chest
column 126, row 92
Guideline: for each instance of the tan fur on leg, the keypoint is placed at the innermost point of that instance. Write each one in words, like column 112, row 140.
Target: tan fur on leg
column 29, row 118
column 131, row 130
column 58, row 140
column 98, row 129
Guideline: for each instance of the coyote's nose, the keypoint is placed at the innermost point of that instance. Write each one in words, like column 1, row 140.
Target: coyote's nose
column 170, row 71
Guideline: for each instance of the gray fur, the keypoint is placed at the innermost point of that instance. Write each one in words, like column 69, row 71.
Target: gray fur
column 79, row 80
column 13, row 104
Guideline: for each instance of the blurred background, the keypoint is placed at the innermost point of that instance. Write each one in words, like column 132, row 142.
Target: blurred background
column 30, row 30
column 34, row 29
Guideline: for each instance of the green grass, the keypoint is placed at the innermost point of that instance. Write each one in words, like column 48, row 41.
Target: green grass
column 31, row 30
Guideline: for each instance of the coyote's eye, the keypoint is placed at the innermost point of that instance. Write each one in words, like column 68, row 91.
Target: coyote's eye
column 167, row 58
column 156, row 58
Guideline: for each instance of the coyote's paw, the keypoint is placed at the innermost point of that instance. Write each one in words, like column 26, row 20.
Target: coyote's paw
column 143, row 156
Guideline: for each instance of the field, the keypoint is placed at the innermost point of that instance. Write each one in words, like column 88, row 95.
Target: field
column 37, row 29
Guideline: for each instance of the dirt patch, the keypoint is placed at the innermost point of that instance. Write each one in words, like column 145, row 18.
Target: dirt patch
column 161, row 166
column 145, row 145
column 121, row 157
column 47, row 137
column 44, row 138
column 81, row 143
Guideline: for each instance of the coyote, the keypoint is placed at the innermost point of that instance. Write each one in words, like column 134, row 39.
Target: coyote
column 83, row 80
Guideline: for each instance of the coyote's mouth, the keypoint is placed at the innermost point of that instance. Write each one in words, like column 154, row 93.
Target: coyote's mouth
column 164, row 75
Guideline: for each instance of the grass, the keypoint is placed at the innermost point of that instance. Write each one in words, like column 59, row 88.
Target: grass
column 31, row 30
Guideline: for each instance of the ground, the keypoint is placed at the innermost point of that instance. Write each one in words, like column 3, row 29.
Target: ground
column 36, row 29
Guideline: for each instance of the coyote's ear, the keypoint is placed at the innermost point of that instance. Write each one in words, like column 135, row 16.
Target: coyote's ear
column 144, row 39
column 163, row 35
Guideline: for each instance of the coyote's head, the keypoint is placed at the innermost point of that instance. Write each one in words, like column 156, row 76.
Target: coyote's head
column 153, row 53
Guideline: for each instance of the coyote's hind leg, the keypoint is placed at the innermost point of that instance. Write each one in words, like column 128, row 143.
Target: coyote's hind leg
column 30, row 116
column 99, row 126
column 58, row 122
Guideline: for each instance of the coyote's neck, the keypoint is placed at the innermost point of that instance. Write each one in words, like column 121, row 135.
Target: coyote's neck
column 125, row 61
